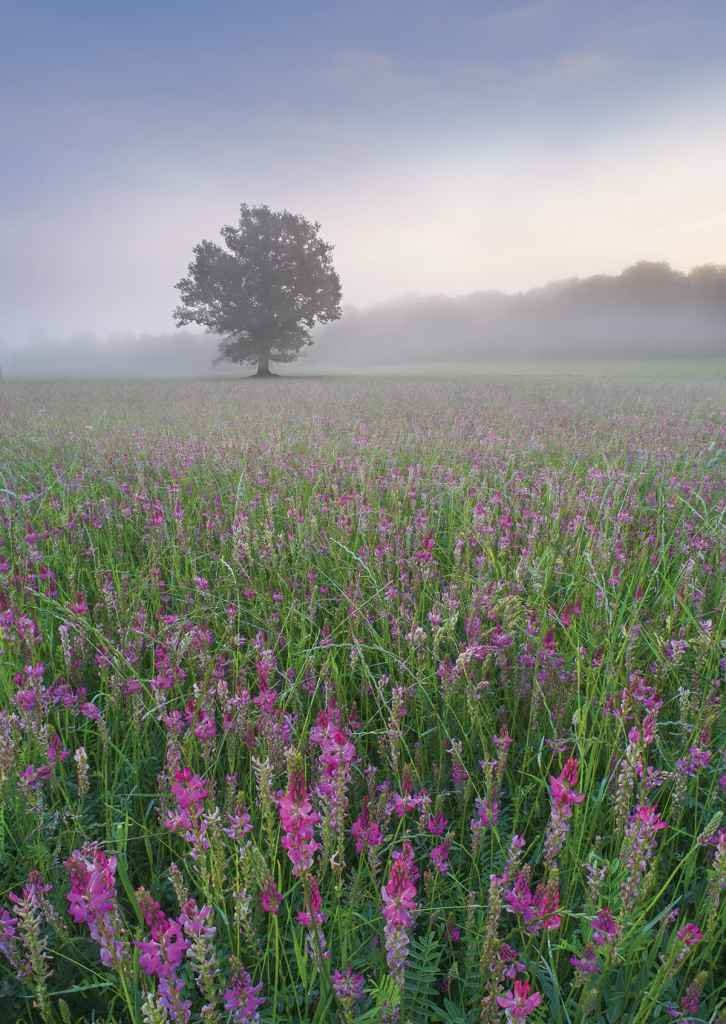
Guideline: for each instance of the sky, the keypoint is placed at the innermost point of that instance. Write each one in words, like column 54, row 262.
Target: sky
column 444, row 148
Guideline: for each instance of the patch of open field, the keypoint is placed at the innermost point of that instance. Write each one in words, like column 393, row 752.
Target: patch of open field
column 364, row 698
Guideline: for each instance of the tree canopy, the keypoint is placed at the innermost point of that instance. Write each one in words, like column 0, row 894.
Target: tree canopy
column 265, row 290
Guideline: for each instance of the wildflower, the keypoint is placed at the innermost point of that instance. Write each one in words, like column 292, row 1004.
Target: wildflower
column 440, row 857
column 92, row 900
column 510, row 958
column 188, row 789
column 313, row 918
column 366, row 833
column 242, row 999
column 562, row 788
column 605, row 929
column 195, row 922
column 690, row 934
column 270, row 898
column 336, row 757
column 538, row 908
column 399, row 905
column 487, row 813
column 638, row 850
column 239, row 824
column 164, row 952
column 587, row 963
column 190, row 792
column 298, row 820
column 23, row 938
column 564, row 797
column 436, row 824
column 519, row 1003
column 348, row 987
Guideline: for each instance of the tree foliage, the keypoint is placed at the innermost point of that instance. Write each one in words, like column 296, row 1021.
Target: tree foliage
column 264, row 291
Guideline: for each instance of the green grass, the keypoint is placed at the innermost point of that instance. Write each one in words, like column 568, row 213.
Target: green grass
column 444, row 562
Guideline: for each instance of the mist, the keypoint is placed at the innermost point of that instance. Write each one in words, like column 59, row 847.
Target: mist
column 648, row 311
column 484, row 175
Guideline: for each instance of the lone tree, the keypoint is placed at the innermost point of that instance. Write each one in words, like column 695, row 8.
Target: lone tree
column 264, row 292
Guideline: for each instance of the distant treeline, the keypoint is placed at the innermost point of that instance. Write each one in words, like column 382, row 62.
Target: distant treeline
column 649, row 310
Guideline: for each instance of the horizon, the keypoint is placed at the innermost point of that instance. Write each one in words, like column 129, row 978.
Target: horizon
column 400, row 300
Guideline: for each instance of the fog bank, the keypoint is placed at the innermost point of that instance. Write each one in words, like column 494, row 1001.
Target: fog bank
column 647, row 311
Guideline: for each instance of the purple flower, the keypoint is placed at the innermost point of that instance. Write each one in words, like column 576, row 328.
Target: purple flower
column 399, row 905
column 348, row 987
column 519, row 1003
column 242, row 999
column 92, row 900
column 605, row 928
column 690, row 934
column 298, row 820
column 587, row 963
column 440, row 857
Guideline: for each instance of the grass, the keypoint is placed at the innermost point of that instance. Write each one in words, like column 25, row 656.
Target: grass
column 410, row 604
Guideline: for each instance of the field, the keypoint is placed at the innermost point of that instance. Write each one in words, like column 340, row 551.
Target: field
column 364, row 699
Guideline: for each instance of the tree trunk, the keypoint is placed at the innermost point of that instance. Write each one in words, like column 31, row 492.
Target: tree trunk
column 263, row 366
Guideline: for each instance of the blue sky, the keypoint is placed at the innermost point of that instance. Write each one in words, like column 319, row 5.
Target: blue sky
column 444, row 148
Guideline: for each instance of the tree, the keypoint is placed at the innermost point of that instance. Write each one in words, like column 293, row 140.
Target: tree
column 263, row 293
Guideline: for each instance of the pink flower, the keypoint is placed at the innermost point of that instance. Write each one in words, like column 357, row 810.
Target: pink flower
column 189, row 789
column 440, row 857
column 487, row 813
column 605, row 928
column 348, row 987
column 399, row 905
column 690, row 934
column 436, row 824
column 519, row 1003
column 367, row 833
column 562, row 788
column 270, row 898
column 587, row 963
column 298, row 820
column 242, row 999
column 92, row 899
column 162, row 954
column 538, row 908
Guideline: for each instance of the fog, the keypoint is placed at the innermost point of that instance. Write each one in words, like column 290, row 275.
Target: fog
column 458, row 160
column 647, row 311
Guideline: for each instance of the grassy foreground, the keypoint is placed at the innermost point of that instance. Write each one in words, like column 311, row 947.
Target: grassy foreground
column 362, row 700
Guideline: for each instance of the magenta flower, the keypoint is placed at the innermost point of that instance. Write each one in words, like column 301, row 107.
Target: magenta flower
column 242, row 999
column 164, row 952
column 587, row 963
column 348, row 987
column 538, row 908
column 189, row 789
column 399, row 906
column 270, row 898
column 562, row 788
column 92, row 900
column 605, row 928
column 367, row 833
column 298, row 820
column 638, row 849
column 690, row 934
column 487, row 813
column 440, row 857
column 436, row 824
column 519, row 1003
column 337, row 754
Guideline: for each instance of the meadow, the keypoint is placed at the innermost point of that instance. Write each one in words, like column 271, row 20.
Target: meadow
column 363, row 699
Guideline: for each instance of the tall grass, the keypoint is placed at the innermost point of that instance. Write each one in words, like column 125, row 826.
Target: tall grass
column 373, row 700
